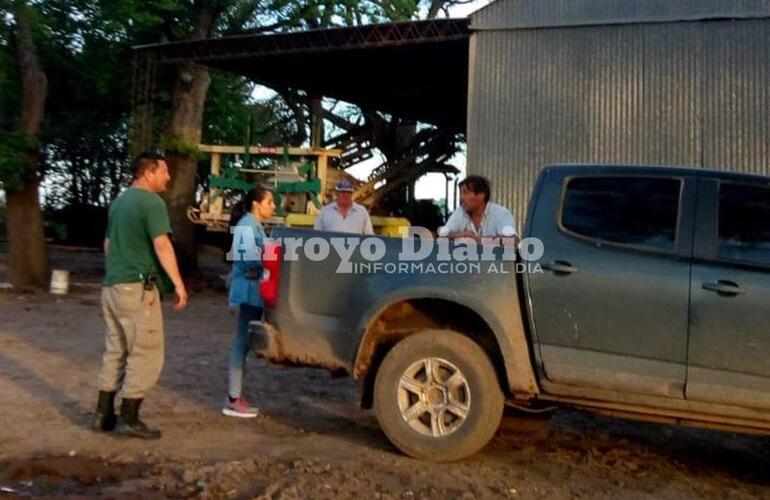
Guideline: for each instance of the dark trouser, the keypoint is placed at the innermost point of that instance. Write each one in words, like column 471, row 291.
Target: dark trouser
column 240, row 348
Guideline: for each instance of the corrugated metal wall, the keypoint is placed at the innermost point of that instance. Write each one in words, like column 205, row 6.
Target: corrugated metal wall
column 695, row 93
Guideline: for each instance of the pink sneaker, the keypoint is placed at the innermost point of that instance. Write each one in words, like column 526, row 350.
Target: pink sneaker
column 239, row 408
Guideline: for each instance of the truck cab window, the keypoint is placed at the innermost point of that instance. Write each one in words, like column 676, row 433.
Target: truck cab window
column 744, row 223
column 628, row 210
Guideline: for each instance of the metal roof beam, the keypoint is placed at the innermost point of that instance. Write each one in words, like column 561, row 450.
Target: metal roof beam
column 360, row 37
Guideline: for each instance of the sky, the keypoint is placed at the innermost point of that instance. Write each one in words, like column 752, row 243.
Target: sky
column 430, row 186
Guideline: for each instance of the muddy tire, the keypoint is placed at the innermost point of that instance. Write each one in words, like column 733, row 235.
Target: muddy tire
column 437, row 397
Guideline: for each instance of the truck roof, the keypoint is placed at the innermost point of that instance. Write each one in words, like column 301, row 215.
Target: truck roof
column 656, row 170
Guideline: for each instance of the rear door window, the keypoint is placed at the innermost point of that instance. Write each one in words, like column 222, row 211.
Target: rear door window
column 744, row 223
column 638, row 211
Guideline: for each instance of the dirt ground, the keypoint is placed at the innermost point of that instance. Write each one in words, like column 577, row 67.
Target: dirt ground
column 313, row 441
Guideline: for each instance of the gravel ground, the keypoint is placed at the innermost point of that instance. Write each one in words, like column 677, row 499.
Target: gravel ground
column 313, row 440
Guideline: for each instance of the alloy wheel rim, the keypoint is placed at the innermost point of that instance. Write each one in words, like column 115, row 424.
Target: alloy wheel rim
column 434, row 397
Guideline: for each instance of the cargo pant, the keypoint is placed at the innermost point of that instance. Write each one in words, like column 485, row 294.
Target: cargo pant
column 134, row 343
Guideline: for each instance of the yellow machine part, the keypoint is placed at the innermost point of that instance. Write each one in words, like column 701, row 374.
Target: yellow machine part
column 385, row 226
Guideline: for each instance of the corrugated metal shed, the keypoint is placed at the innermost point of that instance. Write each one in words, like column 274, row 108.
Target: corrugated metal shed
column 517, row 14
column 689, row 93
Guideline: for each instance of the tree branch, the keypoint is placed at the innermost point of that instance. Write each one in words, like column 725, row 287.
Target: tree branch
column 339, row 121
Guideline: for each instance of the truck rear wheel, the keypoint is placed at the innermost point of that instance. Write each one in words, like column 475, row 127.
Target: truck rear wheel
column 436, row 396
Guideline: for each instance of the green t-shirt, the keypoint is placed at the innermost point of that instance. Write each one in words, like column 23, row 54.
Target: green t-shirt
column 136, row 218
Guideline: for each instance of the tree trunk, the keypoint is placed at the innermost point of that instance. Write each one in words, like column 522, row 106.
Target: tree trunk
column 435, row 7
column 315, row 104
column 297, row 107
column 189, row 99
column 27, row 252
column 28, row 258
column 186, row 127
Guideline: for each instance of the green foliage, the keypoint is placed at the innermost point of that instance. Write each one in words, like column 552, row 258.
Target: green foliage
column 179, row 146
column 14, row 148
column 228, row 109
column 87, row 111
column 85, row 49
column 311, row 14
column 400, row 10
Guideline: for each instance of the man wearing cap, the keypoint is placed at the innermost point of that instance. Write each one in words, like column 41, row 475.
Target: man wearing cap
column 344, row 215
column 477, row 217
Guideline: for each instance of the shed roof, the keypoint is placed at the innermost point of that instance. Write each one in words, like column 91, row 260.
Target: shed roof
column 416, row 70
column 524, row 14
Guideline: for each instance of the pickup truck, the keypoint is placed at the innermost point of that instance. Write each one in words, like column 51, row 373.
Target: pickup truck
column 649, row 300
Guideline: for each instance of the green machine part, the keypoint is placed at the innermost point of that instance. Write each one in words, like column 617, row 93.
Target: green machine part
column 311, row 185
column 228, row 180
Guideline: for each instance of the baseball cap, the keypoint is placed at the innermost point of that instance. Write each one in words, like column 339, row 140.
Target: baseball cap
column 344, row 185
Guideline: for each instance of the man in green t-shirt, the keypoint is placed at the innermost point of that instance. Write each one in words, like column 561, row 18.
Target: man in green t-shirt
column 139, row 261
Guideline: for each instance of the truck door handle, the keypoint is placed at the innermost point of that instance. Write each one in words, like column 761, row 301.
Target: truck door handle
column 560, row 267
column 724, row 287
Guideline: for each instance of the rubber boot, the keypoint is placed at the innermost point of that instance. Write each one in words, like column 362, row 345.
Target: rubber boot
column 129, row 423
column 104, row 416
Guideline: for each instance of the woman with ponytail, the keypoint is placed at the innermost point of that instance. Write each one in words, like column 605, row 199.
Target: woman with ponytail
column 258, row 206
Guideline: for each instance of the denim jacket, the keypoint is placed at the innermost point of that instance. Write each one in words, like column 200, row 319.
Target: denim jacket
column 244, row 289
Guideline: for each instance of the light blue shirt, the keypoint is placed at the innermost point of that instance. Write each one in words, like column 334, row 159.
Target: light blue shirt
column 356, row 221
column 245, row 290
column 496, row 221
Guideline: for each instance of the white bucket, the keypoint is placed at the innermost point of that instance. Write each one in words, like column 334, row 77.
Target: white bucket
column 60, row 282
